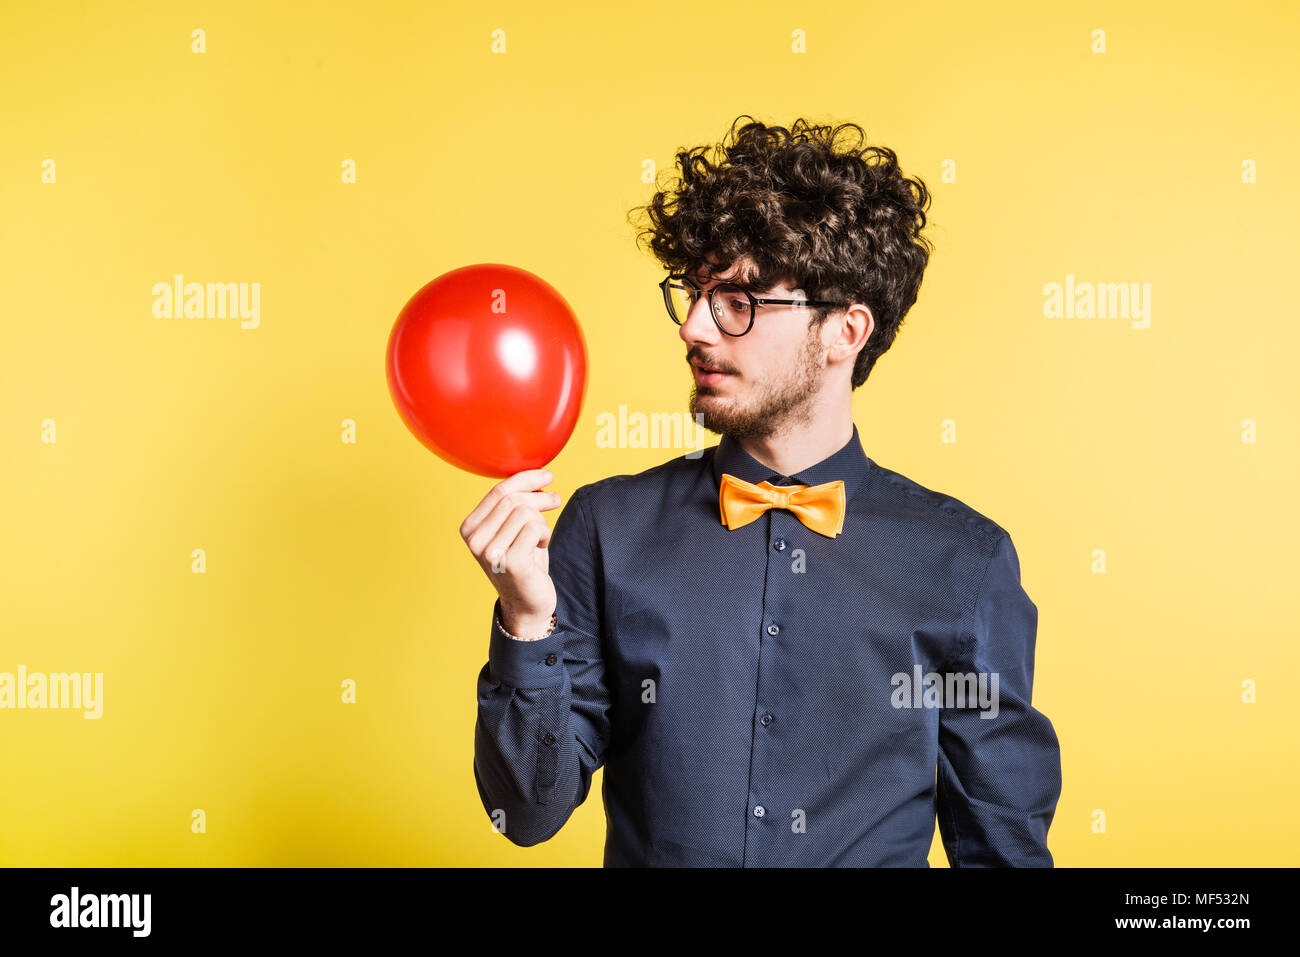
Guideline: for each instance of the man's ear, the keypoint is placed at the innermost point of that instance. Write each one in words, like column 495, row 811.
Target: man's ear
column 856, row 329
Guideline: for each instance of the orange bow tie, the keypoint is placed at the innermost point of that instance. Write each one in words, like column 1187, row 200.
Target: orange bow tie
column 820, row 507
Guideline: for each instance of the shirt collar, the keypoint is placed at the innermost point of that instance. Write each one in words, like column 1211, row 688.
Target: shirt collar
column 849, row 464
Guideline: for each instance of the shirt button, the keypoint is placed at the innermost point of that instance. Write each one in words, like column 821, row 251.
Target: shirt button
column 779, row 544
column 765, row 720
column 551, row 659
column 772, row 629
column 758, row 811
column 548, row 739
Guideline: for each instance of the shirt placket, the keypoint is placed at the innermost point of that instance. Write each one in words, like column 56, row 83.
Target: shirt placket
column 766, row 809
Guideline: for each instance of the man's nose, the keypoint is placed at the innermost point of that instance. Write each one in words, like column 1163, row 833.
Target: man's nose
column 699, row 325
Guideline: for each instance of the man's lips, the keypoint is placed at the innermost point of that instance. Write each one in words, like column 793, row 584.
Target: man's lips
column 705, row 377
column 705, row 370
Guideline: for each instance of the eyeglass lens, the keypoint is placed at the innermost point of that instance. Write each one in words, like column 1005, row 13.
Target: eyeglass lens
column 730, row 305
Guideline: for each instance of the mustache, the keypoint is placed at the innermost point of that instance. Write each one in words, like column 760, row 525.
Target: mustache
column 707, row 363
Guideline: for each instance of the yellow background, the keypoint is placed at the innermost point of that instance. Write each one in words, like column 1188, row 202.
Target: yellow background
column 328, row 561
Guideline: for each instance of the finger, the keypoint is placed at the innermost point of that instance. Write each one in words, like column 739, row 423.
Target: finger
column 495, row 552
column 492, row 509
column 534, row 534
column 479, row 538
column 524, row 481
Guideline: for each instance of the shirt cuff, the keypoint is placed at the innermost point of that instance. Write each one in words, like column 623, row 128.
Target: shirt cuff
column 526, row 664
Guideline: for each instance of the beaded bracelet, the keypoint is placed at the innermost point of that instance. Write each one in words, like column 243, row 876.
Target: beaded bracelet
column 501, row 628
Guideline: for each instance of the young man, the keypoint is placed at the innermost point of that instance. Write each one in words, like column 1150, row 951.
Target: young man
column 767, row 647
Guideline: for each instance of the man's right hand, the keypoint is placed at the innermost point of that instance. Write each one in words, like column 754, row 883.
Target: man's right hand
column 508, row 535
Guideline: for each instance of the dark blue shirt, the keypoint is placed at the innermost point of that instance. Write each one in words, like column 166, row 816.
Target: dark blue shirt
column 770, row 696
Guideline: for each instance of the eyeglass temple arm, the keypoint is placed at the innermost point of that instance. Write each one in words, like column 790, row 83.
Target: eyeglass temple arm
column 757, row 301
column 794, row 302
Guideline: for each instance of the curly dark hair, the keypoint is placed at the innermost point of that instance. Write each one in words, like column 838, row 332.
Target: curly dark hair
column 841, row 225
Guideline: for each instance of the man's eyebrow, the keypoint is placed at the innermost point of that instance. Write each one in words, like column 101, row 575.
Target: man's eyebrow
column 703, row 279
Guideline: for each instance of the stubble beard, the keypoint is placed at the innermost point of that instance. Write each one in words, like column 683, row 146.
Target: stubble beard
column 780, row 406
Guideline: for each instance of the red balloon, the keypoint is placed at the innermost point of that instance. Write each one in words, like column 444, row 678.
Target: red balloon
column 488, row 369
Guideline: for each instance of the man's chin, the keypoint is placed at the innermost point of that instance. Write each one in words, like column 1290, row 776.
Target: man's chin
column 707, row 403
column 711, row 418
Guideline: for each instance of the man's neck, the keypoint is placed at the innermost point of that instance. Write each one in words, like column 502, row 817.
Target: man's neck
column 791, row 449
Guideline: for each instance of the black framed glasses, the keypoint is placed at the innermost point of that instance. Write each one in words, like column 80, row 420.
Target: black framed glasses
column 731, row 306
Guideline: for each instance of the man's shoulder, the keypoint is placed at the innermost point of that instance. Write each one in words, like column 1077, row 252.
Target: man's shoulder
column 918, row 502
column 905, row 498
column 676, row 474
